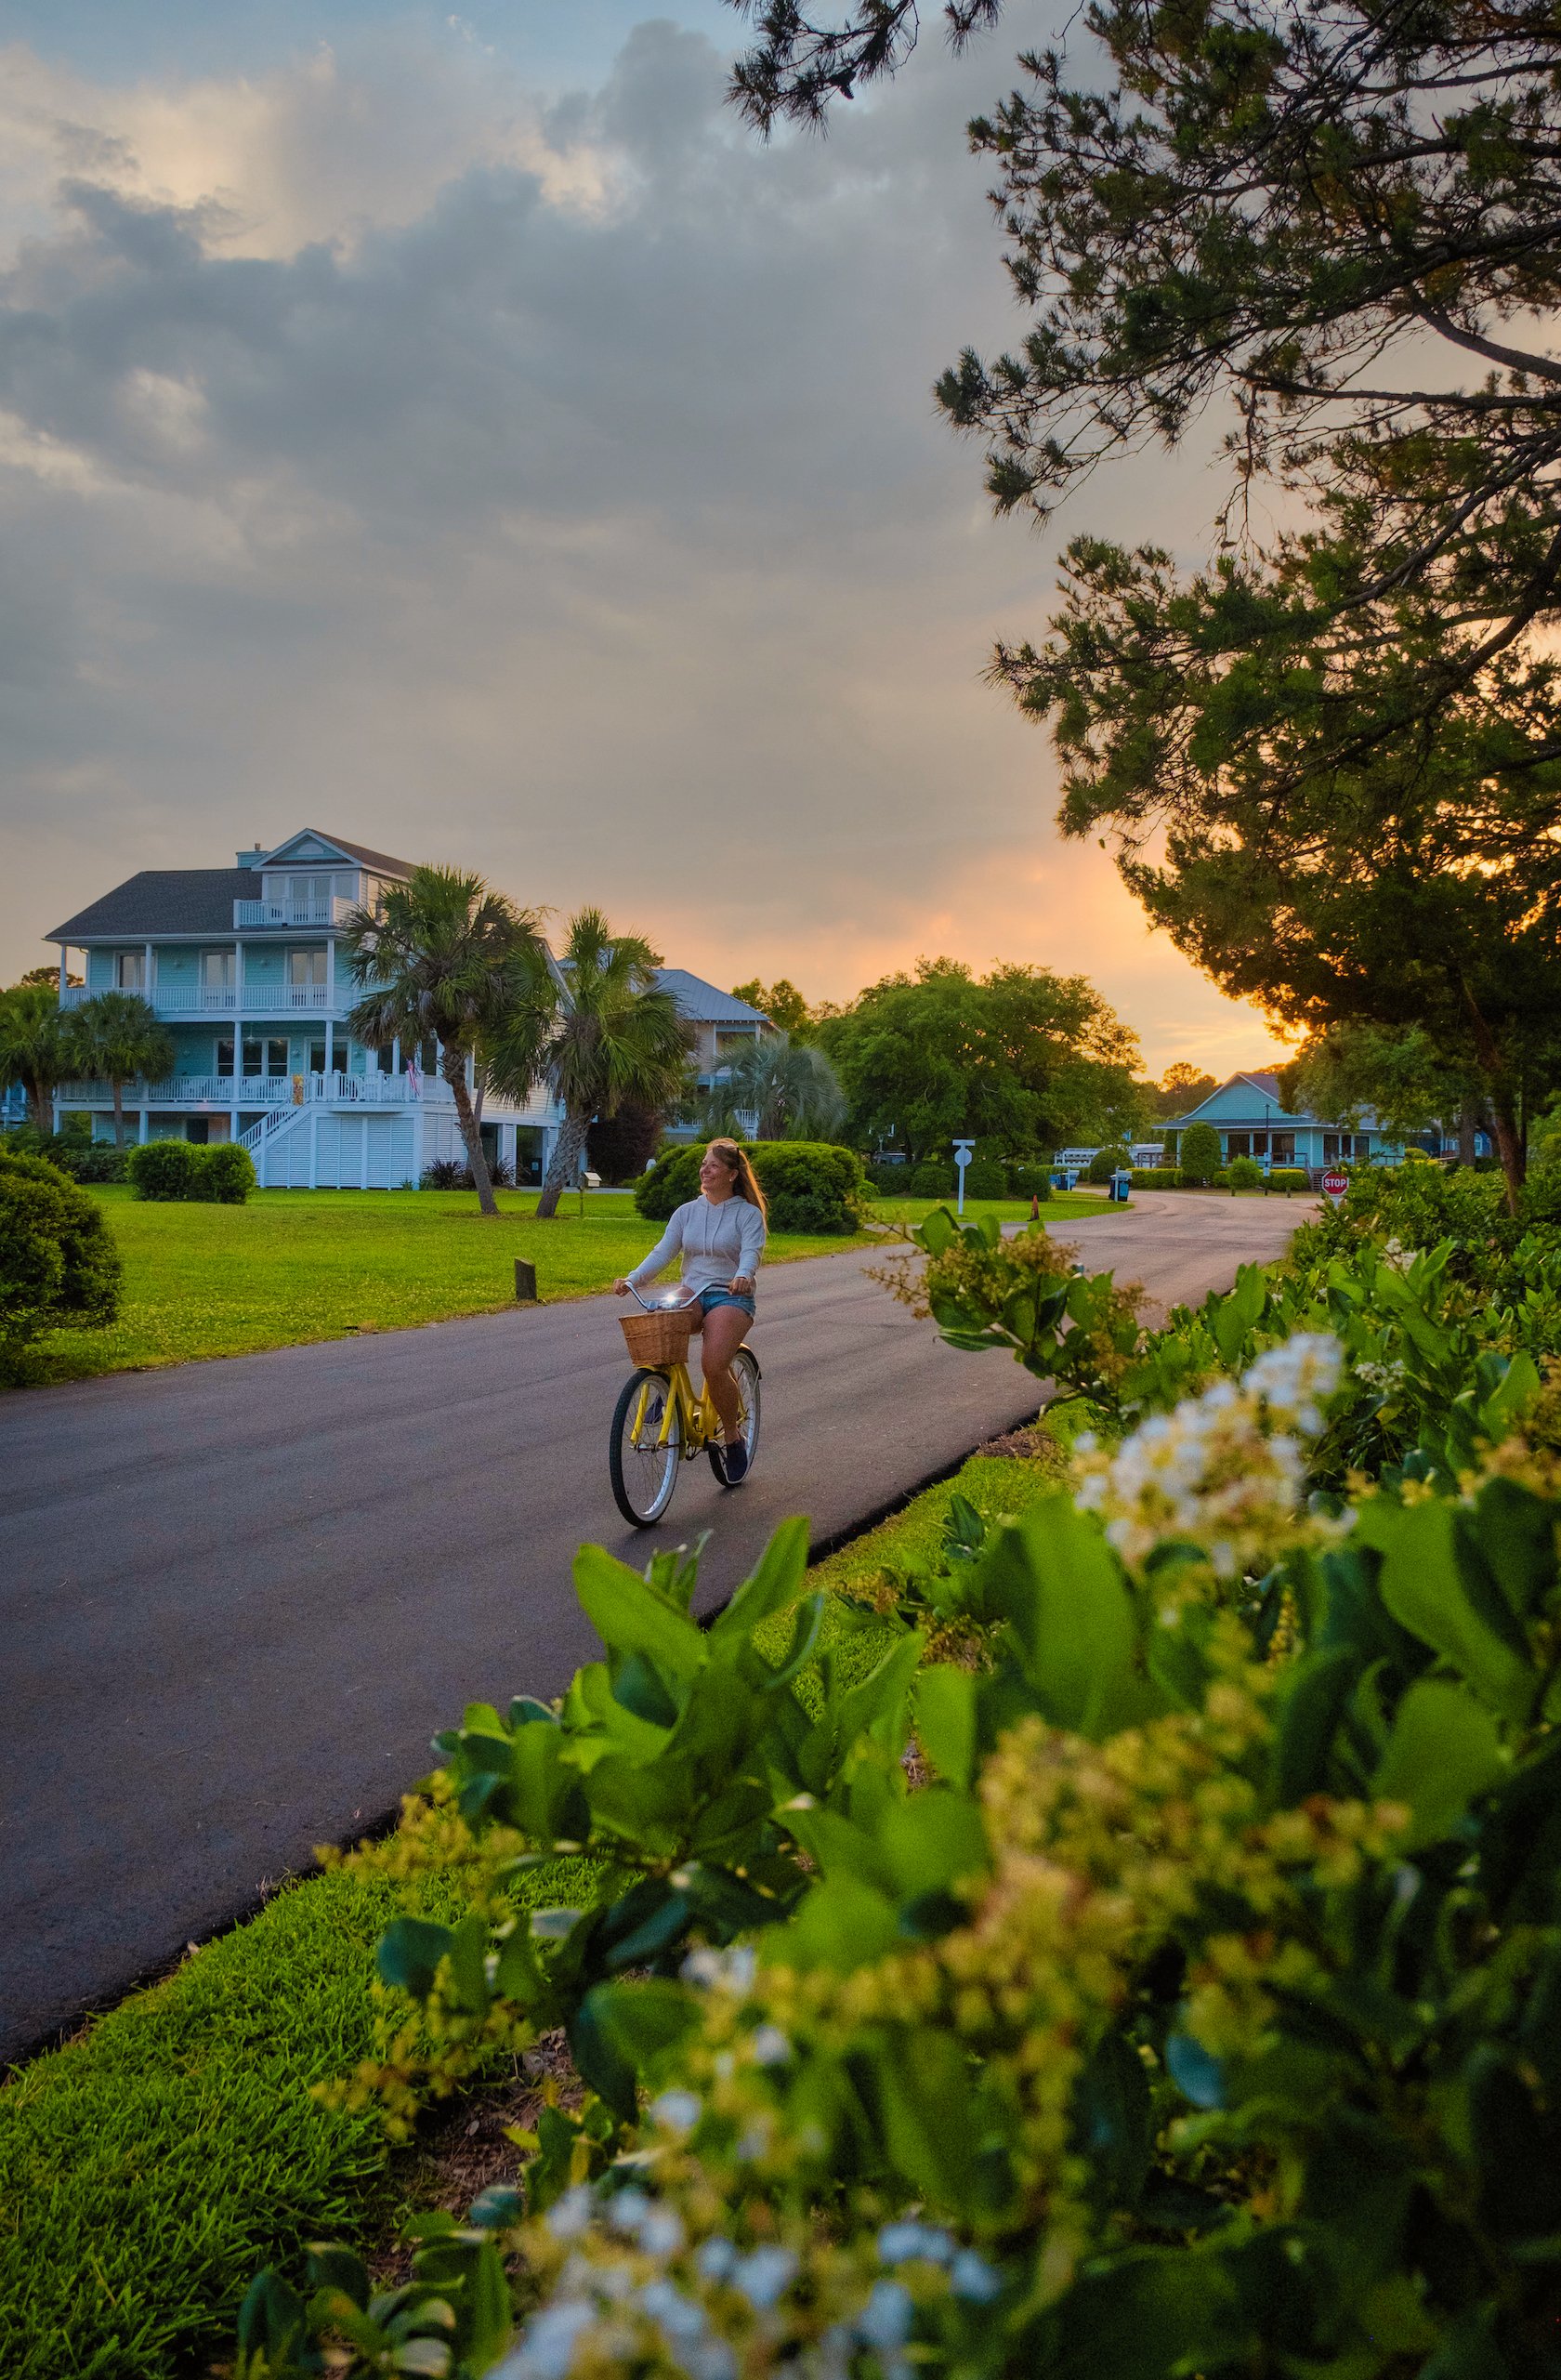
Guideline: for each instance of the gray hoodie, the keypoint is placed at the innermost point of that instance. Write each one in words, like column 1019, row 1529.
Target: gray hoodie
column 716, row 1243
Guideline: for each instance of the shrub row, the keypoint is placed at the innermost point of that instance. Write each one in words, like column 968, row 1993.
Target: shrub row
column 1198, row 2014
column 985, row 1177
column 58, row 1266
column 809, row 1186
column 74, row 1151
column 1281, row 1177
column 167, row 1170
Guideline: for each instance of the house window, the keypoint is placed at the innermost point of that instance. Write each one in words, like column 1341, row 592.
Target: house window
column 1238, row 1144
column 267, row 1058
column 310, row 894
column 130, row 970
column 1337, row 1146
column 224, row 1060
column 307, row 968
column 1284, row 1148
column 216, row 970
column 317, row 1057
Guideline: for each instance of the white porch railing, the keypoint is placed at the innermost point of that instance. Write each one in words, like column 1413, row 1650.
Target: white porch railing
column 243, row 1000
column 331, row 911
column 268, row 1091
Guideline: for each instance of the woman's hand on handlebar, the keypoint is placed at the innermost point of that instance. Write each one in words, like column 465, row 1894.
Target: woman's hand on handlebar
column 619, row 1289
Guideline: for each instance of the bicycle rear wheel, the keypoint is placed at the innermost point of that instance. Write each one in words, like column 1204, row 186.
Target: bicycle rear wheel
column 745, row 1372
column 643, row 1467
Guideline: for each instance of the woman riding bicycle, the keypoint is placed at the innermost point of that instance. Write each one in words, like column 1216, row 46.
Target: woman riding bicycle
column 720, row 1237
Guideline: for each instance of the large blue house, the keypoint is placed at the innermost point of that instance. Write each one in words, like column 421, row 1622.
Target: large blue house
column 1250, row 1115
column 245, row 966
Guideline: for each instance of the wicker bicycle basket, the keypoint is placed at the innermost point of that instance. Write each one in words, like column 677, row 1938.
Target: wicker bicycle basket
column 658, row 1338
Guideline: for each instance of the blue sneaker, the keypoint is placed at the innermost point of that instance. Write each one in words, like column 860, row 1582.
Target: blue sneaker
column 734, row 1460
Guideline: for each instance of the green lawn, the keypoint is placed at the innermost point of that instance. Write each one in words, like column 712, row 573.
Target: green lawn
column 150, row 2167
column 294, row 1265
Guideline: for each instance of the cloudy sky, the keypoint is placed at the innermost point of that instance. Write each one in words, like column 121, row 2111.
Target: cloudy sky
column 455, row 430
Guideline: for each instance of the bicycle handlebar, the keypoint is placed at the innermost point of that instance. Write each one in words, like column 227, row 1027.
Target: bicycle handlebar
column 665, row 1306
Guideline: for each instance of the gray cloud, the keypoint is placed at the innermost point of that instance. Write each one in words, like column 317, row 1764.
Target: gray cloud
column 592, row 526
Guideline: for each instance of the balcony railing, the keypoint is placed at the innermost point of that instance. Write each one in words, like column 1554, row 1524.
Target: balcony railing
column 237, row 1000
column 268, row 1091
column 330, row 909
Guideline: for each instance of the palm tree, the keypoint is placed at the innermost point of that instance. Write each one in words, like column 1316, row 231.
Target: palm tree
column 600, row 1031
column 788, row 1086
column 117, row 1036
column 37, row 1048
column 442, row 958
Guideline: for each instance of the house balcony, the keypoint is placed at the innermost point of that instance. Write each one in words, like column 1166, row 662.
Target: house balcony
column 200, row 1000
column 197, row 1091
column 330, row 909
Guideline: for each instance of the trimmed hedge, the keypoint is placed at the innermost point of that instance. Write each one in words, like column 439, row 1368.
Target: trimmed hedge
column 1106, row 1162
column 1200, row 1154
column 984, row 1177
column 931, row 1179
column 809, row 1185
column 170, row 1170
column 1029, row 1178
column 58, row 1266
column 1289, row 1177
column 1245, row 1173
column 1156, row 1177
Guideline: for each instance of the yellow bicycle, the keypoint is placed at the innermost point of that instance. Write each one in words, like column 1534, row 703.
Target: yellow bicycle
column 659, row 1422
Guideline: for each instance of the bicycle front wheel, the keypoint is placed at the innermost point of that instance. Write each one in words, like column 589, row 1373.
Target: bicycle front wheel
column 745, row 1372
column 640, row 1461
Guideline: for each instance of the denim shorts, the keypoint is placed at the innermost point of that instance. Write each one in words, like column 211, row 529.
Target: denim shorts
column 711, row 1299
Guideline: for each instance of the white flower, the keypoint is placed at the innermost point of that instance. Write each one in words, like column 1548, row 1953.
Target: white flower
column 677, row 2111
column 769, row 2046
column 678, row 2317
column 731, row 1970
column 898, row 2242
column 713, row 2259
column 548, row 2349
column 570, row 2219
column 765, row 2276
column 974, row 2279
column 884, row 2321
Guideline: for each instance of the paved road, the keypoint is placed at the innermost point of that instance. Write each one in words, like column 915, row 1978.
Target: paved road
column 236, row 1598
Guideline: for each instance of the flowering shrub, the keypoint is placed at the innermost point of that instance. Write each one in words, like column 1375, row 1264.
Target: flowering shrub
column 1200, row 2011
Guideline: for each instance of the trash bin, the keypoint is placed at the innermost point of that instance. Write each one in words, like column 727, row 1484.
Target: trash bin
column 1120, row 1184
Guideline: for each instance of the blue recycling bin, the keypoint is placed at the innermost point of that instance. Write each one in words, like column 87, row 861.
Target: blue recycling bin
column 1119, row 1185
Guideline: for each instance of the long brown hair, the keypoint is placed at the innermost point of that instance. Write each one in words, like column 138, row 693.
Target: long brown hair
column 745, row 1181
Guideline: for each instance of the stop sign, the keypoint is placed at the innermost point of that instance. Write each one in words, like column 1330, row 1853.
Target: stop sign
column 1334, row 1186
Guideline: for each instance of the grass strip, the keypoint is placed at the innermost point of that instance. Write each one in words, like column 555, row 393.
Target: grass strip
column 150, row 2167
column 295, row 1266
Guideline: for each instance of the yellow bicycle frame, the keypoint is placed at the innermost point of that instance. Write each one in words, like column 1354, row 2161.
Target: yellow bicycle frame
column 696, row 1415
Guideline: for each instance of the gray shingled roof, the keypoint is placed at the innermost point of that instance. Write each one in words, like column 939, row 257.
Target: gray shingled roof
column 703, row 1002
column 353, row 850
column 164, row 900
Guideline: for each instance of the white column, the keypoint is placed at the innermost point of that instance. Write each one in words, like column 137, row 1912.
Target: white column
column 314, row 1147
column 64, row 955
column 145, row 1131
column 147, row 987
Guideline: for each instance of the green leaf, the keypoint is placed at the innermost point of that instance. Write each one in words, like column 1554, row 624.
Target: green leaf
column 646, row 2023
column 923, row 2088
column 334, row 2267
column 1315, row 1695
column 841, row 1923
column 932, row 1840
column 1443, row 1750
column 1424, row 1586
column 630, row 1619
column 946, row 1721
column 409, row 1952
column 1146, row 2315
column 779, row 1580
column 1112, row 2120
column 1067, row 1600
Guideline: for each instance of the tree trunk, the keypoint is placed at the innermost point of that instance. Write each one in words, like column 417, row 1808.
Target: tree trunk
column 1468, row 1125
column 119, row 1113
column 454, row 1067
column 563, row 1164
column 1503, row 1112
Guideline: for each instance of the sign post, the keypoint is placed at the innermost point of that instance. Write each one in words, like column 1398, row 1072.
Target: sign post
column 964, row 1151
column 1334, row 1186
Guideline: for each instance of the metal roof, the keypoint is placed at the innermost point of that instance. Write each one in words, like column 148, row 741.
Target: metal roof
column 704, row 1003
